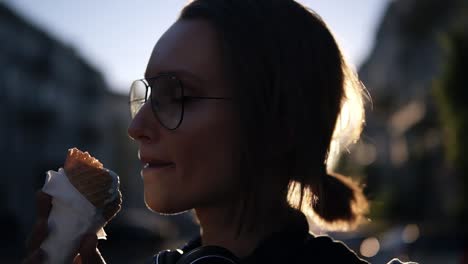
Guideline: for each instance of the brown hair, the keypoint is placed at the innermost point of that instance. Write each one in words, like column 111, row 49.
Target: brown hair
column 292, row 86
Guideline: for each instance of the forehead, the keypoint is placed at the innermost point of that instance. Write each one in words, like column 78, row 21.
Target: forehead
column 188, row 46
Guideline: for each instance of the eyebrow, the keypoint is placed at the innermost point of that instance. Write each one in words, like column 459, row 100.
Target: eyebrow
column 181, row 73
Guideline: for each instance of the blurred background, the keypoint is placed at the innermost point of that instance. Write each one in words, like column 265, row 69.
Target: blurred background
column 65, row 69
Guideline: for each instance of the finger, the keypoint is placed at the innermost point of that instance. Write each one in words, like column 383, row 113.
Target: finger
column 89, row 252
column 36, row 257
column 38, row 235
column 44, row 204
column 39, row 232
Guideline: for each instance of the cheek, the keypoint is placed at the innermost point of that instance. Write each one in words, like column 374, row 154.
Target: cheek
column 206, row 156
column 209, row 157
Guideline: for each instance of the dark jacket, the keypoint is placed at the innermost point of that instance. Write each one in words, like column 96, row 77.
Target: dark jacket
column 294, row 244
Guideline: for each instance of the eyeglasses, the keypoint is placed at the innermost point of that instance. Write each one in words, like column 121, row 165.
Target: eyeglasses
column 166, row 95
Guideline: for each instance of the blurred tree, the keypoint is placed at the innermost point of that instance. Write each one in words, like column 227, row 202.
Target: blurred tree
column 402, row 153
column 451, row 97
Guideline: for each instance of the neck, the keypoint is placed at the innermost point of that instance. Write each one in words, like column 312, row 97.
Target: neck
column 215, row 230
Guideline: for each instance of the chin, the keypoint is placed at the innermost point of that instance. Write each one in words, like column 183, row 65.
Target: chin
column 162, row 206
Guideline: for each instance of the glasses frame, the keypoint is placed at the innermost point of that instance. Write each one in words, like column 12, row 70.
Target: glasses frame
column 146, row 82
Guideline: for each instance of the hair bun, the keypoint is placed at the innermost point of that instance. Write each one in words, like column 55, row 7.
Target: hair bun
column 340, row 203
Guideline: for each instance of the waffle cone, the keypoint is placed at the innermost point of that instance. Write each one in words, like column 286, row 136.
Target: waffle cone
column 94, row 182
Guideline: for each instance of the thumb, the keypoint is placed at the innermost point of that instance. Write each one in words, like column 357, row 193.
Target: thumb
column 88, row 252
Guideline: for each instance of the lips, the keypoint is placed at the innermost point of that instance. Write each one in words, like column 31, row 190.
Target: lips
column 155, row 163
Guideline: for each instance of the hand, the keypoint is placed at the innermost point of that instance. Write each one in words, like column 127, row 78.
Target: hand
column 87, row 253
column 39, row 232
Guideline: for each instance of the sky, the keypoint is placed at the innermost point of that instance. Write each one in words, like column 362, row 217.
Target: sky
column 117, row 37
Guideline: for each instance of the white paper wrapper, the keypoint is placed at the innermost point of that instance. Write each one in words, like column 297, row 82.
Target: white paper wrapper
column 71, row 216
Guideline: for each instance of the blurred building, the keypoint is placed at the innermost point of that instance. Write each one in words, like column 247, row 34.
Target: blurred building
column 52, row 100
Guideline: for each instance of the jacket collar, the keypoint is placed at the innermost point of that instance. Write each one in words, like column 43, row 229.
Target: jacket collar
column 275, row 248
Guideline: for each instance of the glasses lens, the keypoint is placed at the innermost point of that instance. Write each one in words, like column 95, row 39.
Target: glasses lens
column 138, row 96
column 166, row 100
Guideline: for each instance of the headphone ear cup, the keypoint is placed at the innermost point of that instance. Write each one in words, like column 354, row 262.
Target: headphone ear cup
column 209, row 255
column 167, row 257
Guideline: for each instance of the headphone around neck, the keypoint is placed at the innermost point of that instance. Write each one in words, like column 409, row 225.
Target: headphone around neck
column 199, row 255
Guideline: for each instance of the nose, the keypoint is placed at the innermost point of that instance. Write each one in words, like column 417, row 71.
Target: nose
column 141, row 128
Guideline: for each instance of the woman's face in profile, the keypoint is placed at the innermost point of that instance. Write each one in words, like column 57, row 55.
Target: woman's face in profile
column 202, row 147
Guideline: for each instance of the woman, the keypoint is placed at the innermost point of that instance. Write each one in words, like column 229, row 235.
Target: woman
column 244, row 106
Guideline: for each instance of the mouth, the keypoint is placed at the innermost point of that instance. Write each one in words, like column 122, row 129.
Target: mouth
column 154, row 165
column 153, row 162
column 158, row 165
